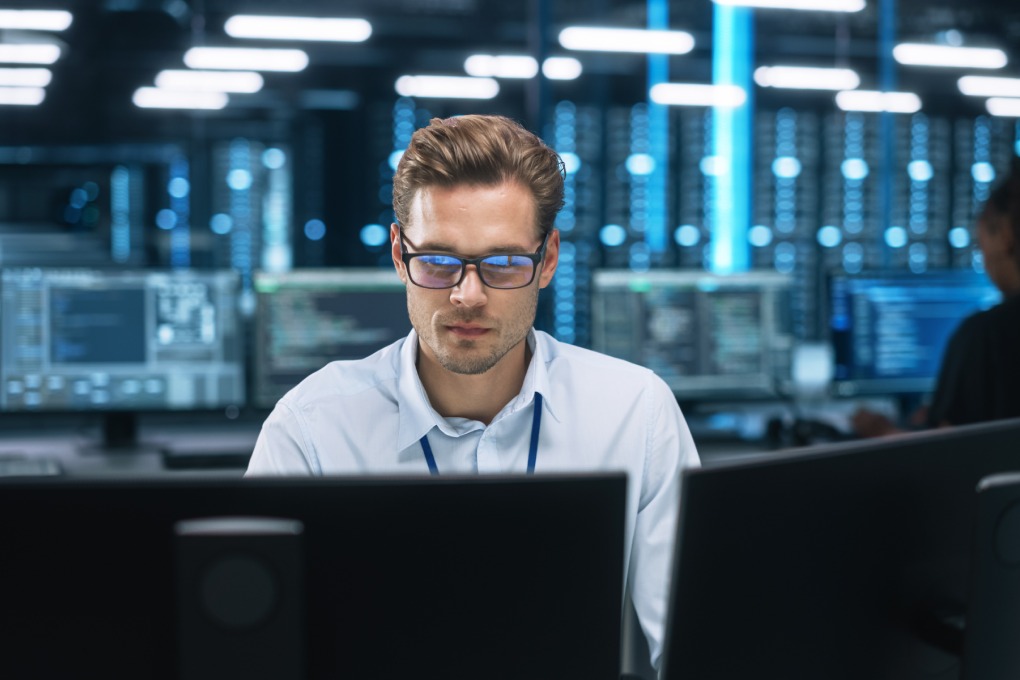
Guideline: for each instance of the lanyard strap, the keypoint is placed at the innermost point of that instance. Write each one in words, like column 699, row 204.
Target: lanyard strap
column 536, row 427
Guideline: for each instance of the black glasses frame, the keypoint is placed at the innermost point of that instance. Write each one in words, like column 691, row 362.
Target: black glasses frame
column 536, row 258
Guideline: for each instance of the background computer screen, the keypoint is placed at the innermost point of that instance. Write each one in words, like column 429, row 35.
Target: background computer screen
column 889, row 330
column 120, row 340
column 705, row 335
column 308, row 317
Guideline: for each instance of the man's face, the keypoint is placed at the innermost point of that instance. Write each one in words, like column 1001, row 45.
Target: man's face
column 995, row 239
column 470, row 328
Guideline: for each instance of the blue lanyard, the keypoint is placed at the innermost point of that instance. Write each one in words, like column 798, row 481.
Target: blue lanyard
column 536, row 426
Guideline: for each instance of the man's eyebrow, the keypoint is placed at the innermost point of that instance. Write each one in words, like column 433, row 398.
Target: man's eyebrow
column 440, row 247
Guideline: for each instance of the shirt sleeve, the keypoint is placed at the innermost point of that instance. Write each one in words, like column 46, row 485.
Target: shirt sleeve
column 670, row 448
column 283, row 446
column 962, row 390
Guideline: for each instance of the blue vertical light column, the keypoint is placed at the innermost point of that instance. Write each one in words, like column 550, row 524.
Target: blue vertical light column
column 120, row 214
column 656, row 227
column 732, row 60
column 887, row 83
column 179, row 189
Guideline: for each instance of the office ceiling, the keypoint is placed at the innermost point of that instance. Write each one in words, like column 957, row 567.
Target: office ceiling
column 116, row 46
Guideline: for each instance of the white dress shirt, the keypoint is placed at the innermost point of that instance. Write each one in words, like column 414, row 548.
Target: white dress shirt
column 599, row 414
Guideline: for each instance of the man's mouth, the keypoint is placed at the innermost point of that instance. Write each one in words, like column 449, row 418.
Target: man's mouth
column 467, row 330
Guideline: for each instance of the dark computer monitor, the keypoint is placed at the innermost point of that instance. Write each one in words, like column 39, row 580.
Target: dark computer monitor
column 845, row 561
column 119, row 342
column 496, row 577
column 707, row 336
column 308, row 317
column 889, row 329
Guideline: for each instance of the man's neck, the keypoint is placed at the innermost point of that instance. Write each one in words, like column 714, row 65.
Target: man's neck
column 475, row 397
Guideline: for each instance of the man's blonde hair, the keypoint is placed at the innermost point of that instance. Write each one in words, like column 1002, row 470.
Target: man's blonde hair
column 479, row 150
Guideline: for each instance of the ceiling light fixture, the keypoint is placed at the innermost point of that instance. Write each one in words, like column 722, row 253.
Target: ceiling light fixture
column 873, row 101
column 501, row 66
column 156, row 98
column 35, row 19
column 22, row 96
column 45, row 53
column 626, row 40
column 246, row 59
column 690, row 94
column 245, row 82
column 561, row 68
column 25, row 77
column 988, row 86
column 447, row 87
column 806, row 78
column 1004, row 107
column 810, row 5
column 921, row 54
column 298, row 28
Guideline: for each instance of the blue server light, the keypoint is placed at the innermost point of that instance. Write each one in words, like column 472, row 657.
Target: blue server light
column 120, row 214
column 687, row 235
column 959, row 237
column 372, row 235
column 180, row 235
column 315, row 230
column 759, row 236
column 221, row 223
column 829, row 236
column 895, row 237
column 613, row 235
column 274, row 159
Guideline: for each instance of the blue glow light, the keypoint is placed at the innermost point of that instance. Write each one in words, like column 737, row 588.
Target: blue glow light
column 612, row 235
column 239, row 179
column 394, row 158
column 166, row 219
column 221, row 223
column 920, row 171
column 315, row 230
column 983, row 172
column 759, row 235
column 178, row 187
column 687, row 235
column 896, row 237
column 572, row 162
column 79, row 197
column 786, row 167
column 372, row 235
column 713, row 166
column 854, row 168
column 959, row 237
column 829, row 236
column 640, row 164
column 274, row 159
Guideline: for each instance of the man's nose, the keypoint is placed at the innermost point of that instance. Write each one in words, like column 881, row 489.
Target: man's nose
column 470, row 292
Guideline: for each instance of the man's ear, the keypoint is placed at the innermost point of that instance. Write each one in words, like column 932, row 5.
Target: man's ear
column 398, row 263
column 551, row 260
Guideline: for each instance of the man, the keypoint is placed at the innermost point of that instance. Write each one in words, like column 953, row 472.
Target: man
column 473, row 388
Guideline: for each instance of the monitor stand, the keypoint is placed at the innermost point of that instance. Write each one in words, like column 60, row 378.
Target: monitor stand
column 119, row 436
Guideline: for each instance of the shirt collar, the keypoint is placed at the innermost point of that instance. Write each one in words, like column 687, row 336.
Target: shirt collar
column 416, row 415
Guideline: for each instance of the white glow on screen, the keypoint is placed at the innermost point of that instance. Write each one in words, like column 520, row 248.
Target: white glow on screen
column 501, row 66
column 598, row 39
column 25, row 77
column 246, row 59
column 951, row 56
column 989, row 86
column 561, row 68
column 22, row 96
column 1003, row 107
column 156, row 98
column 806, row 78
column 808, row 5
column 210, row 81
column 691, row 94
column 447, row 87
column 872, row 101
column 35, row 19
column 45, row 53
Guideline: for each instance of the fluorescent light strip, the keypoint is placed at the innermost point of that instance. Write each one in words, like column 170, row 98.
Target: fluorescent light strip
column 22, row 96
column 870, row 100
column 809, row 5
column 987, row 86
column 46, row 53
column 920, row 54
column 626, row 40
column 246, row 59
column 561, row 68
column 447, row 87
column 1002, row 106
column 244, row 82
column 35, row 19
column 156, row 98
column 501, row 66
column 684, row 94
column 25, row 77
column 805, row 78
column 298, row 28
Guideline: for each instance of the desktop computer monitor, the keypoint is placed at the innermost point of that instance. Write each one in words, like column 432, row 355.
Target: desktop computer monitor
column 458, row 578
column 119, row 342
column 889, row 329
column 847, row 561
column 308, row 317
column 707, row 336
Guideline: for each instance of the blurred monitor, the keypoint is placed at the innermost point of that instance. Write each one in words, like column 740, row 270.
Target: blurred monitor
column 843, row 562
column 307, row 318
column 457, row 578
column 707, row 336
column 119, row 342
column 889, row 329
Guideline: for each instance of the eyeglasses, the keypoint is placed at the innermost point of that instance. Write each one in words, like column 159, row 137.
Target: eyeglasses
column 440, row 270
